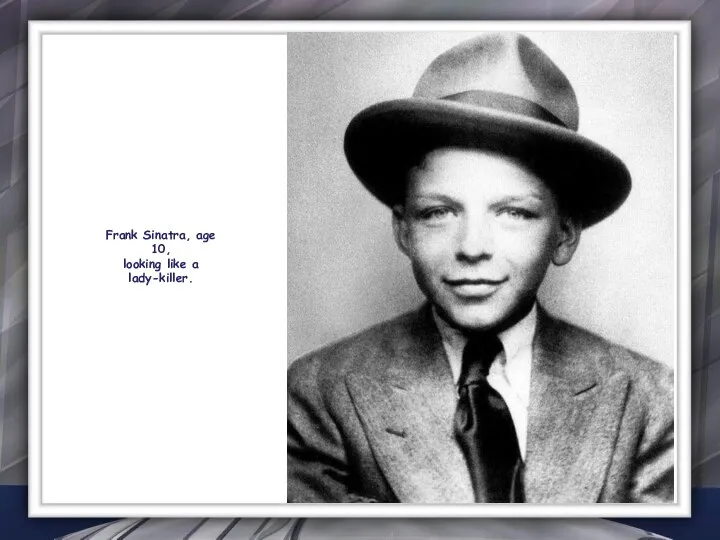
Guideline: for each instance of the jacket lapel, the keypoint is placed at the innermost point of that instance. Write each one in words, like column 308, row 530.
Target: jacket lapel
column 407, row 413
column 574, row 416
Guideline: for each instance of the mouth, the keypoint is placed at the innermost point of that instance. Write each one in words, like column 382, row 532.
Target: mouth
column 472, row 288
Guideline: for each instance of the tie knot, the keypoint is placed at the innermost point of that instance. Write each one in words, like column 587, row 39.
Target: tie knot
column 478, row 355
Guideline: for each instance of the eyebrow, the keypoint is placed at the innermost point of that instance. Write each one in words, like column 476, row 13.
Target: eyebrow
column 521, row 198
column 434, row 196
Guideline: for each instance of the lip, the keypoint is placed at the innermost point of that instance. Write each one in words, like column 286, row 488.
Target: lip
column 470, row 288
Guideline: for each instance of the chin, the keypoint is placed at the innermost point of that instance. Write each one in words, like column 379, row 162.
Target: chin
column 473, row 318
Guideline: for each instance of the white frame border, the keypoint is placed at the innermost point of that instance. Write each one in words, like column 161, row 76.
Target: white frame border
column 681, row 506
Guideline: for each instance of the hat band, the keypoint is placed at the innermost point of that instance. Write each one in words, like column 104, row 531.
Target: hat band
column 507, row 103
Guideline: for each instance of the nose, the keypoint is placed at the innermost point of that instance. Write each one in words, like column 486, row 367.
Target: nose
column 475, row 241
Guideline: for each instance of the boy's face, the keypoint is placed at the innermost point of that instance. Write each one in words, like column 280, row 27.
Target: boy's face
column 480, row 230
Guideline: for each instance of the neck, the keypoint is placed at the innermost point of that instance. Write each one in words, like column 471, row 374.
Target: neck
column 514, row 338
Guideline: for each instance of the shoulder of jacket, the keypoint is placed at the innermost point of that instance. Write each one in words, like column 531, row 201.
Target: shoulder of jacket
column 646, row 374
column 354, row 352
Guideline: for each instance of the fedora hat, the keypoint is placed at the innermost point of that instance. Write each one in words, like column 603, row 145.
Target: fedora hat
column 499, row 92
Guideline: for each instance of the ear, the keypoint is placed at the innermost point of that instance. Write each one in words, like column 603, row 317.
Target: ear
column 400, row 228
column 567, row 242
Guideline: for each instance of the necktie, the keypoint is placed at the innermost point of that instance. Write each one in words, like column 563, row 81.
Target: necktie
column 484, row 428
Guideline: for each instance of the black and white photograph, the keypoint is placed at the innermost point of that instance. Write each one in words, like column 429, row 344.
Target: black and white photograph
column 484, row 294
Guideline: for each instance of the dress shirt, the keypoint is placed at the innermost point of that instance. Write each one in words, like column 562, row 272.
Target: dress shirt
column 510, row 372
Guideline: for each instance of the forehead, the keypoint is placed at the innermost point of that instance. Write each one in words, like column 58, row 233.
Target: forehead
column 457, row 171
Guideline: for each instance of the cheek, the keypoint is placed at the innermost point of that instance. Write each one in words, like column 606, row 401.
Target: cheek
column 430, row 249
column 528, row 254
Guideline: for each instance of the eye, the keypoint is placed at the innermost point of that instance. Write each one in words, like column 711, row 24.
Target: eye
column 436, row 213
column 516, row 212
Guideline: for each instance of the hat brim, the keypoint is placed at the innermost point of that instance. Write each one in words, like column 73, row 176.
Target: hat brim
column 383, row 141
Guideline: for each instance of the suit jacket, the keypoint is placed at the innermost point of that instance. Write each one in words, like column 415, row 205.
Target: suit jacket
column 371, row 419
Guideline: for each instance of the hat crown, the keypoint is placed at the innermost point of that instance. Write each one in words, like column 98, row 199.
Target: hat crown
column 501, row 65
